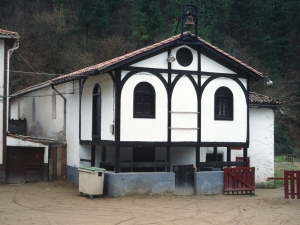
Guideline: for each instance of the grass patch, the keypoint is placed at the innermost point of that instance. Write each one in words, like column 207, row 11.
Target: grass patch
column 280, row 167
column 279, row 158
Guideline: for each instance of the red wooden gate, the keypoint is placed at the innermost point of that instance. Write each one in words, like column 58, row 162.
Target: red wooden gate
column 292, row 188
column 239, row 180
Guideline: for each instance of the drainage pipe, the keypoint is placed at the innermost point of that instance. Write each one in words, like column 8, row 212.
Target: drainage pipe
column 9, row 53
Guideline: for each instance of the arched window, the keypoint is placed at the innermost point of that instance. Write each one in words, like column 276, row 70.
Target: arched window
column 33, row 110
column 223, row 104
column 53, row 105
column 144, row 101
column 96, row 123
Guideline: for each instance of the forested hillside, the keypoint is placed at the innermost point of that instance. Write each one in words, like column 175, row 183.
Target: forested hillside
column 61, row 36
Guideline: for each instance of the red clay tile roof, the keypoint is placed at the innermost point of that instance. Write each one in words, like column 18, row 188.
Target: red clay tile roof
column 8, row 34
column 104, row 65
column 230, row 56
column 101, row 67
column 259, row 99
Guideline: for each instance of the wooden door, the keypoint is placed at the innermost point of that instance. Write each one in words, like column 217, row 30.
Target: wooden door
column 184, row 179
column 57, row 162
column 24, row 164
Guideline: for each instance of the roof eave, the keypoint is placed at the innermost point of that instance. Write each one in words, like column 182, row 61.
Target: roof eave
column 34, row 88
column 112, row 67
column 257, row 105
column 9, row 37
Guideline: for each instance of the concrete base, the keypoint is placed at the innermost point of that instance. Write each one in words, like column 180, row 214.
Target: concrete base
column 209, row 182
column 121, row 184
column 2, row 173
column 73, row 174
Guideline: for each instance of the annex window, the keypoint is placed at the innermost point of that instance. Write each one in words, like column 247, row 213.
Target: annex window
column 33, row 110
column 223, row 104
column 96, row 111
column 144, row 101
column 53, row 105
column 19, row 109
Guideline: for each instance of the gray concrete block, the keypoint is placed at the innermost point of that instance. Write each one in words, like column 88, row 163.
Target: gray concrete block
column 209, row 182
column 73, row 174
column 121, row 184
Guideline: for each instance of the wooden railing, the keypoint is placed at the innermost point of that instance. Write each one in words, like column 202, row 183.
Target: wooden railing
column 290, row 157
column 292, row 184
column 239, row 180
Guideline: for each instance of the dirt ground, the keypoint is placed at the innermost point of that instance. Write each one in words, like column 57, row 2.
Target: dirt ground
column 59, row 202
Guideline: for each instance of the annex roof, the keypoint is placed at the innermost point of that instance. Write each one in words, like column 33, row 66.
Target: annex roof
column 44, row 141
column 263, row 100
column 8, row 34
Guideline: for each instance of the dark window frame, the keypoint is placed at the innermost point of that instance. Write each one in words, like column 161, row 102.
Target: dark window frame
column 96, row 117
column 140, row 94
column 184, row 56
column 223, row 104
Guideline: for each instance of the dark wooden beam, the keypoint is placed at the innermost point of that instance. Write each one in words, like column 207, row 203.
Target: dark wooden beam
column 245, row 155
column 168, row 158
column 216, row 154
column 93, row 155
column 85, row 160
column 117, row 118
column 145, row 164
column 228, row 154
column 103, row 153
column 108, row 163
column 197, row 156
column 220, row 164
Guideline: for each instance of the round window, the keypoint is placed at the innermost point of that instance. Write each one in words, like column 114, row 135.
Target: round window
column 184, row 56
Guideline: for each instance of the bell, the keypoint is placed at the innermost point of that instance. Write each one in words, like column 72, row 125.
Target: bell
column 190, row 21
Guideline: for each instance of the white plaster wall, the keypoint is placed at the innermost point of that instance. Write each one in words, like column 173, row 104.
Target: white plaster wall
column 2, row 52
column 209, row 65
column 72, row 125
column 158, row 62
column 107, row 107
column 261, row 149
column 14, row 108
column 143, row 129
column 21, row 143
column 2, row 60
column 184, row 99
column 223, row 130
column 44, row 125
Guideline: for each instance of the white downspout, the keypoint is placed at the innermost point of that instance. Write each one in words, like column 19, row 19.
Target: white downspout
column 9, row 53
